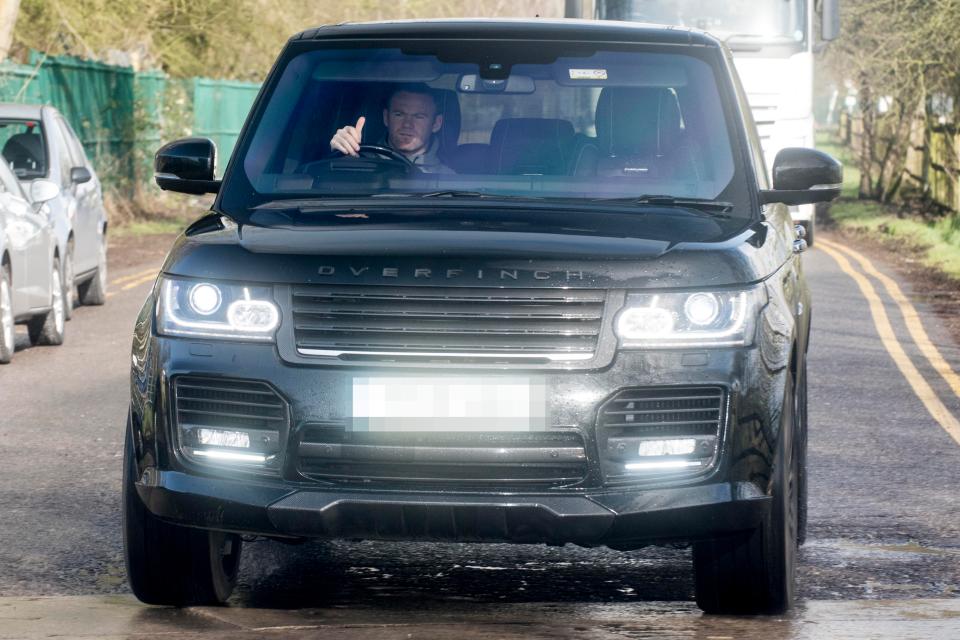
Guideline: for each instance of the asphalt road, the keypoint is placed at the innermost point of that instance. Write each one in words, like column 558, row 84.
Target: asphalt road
column 884, row 516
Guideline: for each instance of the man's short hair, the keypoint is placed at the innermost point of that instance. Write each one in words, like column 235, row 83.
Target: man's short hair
column 413, row 87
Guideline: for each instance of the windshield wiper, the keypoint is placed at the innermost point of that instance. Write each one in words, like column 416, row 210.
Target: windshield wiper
column 712, row 207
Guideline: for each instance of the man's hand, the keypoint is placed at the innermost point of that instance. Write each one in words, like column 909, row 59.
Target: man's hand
column 347, row 139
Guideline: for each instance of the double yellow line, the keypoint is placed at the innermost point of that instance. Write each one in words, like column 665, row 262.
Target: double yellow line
column 888, row 336
column 133, row 280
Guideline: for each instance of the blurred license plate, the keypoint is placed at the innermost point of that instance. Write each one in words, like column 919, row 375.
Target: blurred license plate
column 422, row 403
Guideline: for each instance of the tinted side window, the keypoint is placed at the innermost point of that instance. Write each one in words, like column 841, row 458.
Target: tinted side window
column 24, row 148
column 61, row 154
column 77, row 157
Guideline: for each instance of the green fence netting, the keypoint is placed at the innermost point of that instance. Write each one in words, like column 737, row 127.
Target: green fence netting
column 123, row 116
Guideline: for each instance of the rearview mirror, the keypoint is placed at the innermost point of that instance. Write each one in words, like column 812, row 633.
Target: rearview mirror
column 43, row 191
column 473, row 83
column 804, row 176
column 187, row 166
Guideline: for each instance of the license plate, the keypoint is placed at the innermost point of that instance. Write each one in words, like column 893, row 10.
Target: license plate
column 422, row 403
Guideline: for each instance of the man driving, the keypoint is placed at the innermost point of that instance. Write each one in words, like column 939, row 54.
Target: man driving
column 412, row 117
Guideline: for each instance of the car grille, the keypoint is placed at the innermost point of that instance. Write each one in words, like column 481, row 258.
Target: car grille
column 331, row 452
column 635, row 415
column 228, row 403
column 378, row 322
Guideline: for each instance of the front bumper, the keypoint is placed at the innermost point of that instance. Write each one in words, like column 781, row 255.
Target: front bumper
column 621, row 519
column 731, row 497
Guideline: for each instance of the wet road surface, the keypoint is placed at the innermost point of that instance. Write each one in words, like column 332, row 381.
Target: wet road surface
column 884, row 536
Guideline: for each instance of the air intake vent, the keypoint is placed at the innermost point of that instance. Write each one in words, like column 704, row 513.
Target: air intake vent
column 227, row 421
column 660, row 431
column 447, row 322
column 449, row 459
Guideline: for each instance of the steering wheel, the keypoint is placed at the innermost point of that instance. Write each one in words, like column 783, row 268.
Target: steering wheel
column 387, row 152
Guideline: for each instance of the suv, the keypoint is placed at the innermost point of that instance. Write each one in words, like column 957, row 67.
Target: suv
column 37, row 143
column 546, row 296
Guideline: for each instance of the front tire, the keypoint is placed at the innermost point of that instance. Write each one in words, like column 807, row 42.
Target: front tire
column 7, row 335
column 810, row 227
column 169, row 564
column 69, row 286
column 49, row 328
column 94, row 290
column 755, row 573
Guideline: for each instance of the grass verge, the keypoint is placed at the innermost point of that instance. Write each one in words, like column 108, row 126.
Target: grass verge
column 151, row 213
column 935, row 239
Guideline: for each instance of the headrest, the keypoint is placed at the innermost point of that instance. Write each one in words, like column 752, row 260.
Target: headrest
column 448, row 105
column 24, row 150
column 637, row 120
column 532, row 145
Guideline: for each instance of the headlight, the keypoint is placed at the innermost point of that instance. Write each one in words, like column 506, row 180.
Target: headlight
column 702, row 318
column 216, row 310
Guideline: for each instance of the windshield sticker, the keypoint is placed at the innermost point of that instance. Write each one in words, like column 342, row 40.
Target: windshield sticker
column 588, row 74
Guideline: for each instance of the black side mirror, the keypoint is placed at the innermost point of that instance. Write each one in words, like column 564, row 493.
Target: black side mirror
column 79, row 175
column 804, row 176
column 187, row 166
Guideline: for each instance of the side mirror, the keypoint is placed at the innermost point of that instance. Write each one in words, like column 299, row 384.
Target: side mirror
column 187, row 166
column 804, row 176
column 79, row 175
column 43, row 191
column 830, row 24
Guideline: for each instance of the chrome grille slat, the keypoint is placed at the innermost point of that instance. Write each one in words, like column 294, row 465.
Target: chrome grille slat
column 213, row 388
column 444, row 293
column 456, row 310
column 366, row 325
column 445, row 322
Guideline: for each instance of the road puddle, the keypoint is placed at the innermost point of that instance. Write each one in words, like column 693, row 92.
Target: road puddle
column 123, row 617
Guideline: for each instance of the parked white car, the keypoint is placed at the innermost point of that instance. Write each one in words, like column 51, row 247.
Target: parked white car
column 32, row 289
column 38, row 144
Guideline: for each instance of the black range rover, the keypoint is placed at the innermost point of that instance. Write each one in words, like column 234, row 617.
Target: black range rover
column 575, row 313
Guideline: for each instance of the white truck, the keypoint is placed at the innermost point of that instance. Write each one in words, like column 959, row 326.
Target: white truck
column 773, row 43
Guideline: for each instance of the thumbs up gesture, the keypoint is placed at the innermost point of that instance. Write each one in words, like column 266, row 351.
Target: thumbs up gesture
column 347, row 139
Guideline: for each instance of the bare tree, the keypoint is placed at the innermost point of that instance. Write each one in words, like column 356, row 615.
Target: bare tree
column 8, row 19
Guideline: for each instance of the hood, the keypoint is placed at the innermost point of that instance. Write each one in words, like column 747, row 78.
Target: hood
column 662, row 249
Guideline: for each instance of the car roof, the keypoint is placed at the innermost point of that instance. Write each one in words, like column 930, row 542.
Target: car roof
column 17, row 110
column 526, row 29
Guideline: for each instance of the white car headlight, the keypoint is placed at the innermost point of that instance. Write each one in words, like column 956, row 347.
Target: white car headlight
column 701, row 318
column 216, row 310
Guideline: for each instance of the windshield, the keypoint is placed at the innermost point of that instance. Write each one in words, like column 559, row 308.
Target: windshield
column 23, row 148
column 389, row 122
column 768, row 20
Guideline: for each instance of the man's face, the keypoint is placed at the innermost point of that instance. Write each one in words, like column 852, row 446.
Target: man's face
column 411, row 120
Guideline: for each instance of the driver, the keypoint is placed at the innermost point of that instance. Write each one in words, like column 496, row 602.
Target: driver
column 412, row 119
